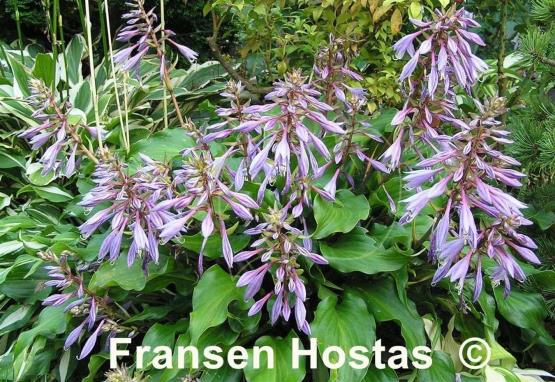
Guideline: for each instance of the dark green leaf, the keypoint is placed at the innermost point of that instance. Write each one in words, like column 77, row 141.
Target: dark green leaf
column 283, row 370
column 342, row 215
column 358, row 252
column 442, row 369
column 164, row 145
column 383, row 302
column 346, row 324
column 211, row 298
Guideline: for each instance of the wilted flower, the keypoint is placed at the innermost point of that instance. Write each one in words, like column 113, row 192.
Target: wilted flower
column 132, row 200
column 279, row 248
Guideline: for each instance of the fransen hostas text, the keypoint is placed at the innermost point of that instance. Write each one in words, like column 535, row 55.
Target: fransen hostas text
column 263, row 357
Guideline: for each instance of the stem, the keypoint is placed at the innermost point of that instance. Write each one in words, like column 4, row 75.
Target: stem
column 54, row 30
column 64, row 55
column 212, row 43
column 82, row 17
column 19, row 34
column 113, row 66
column 166, row 73
column 63, row 118
column 163, row 27
column 125, row 105
column 501, row 80
column 546, row 60
column 92, row 74
column 1, row 64
column 103, row 33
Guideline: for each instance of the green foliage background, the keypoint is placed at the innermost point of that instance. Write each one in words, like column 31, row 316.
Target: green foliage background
column 387, row 283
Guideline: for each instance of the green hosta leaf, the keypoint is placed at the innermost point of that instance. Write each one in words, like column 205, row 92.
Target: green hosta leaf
column 525, row 310
column 11, row 246
column 380, row 375
column 358, row 252
column 342, row 215
column 383, row 301
column 5, row 200
column 52, row 320
column 44, row 68
column 74, row 53
column 51, row 193
column 161, row 335
column 21, row 78
column 77, row 116
column 34, row 173
column 15, row 317
column 382, row 123
column 442, row 369
column 402, row 236
column 95, row 363
column 226, row 374
column 119, row 274
column 545, row 219
column 213, row 247
column 283, row 370
column 415, row 10
column 345, row 325
column 83, row 98
column 9, row 160
column 211, row 298
column 199, row 75
column 163, row 145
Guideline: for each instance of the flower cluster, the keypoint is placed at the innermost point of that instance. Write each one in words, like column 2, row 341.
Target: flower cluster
column 333, row 73
column 479, row 219
column 286, row 133
column 279, row 248
column 445, row 50
column 54, row 127
column 142, row 33
column 467, row 171
column 443, row 60
column 80, row 303
column 201, row 176
column 132, row 199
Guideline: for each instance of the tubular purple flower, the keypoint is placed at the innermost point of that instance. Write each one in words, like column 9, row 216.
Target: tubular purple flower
column 91, row 341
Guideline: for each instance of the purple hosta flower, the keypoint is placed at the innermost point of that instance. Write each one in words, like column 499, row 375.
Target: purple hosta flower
column 426, row 115
column 142, row 33
column 444, row 52
column 131, row 199
column 391, row 157
column 54, row 131
column 81, row 304
column 332, row 68
column 279, row 247
column 231, row 115
column 475, row 169
column 202, row 177
column 350, row 146
column 286, row 134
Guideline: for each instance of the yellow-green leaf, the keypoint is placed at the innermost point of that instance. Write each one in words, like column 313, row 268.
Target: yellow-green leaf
column 415, row 10
column 396, row 21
